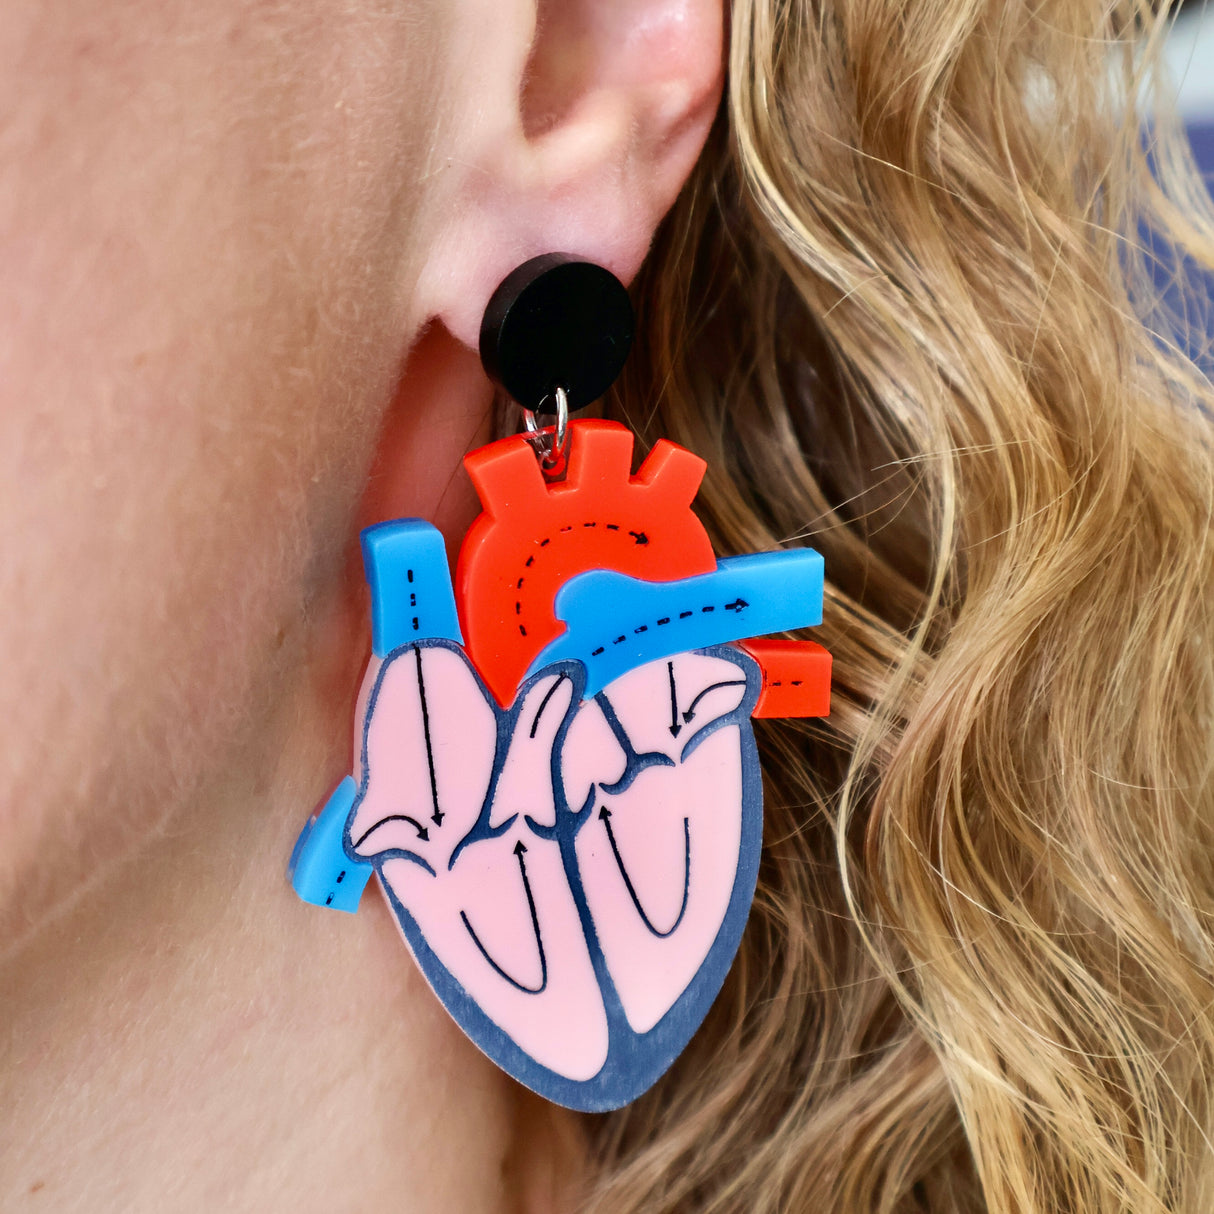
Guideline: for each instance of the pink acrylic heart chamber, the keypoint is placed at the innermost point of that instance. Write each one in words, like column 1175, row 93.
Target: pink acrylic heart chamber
column 556, row 778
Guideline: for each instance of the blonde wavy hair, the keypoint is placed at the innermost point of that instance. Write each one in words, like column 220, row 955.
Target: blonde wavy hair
column 906, row 309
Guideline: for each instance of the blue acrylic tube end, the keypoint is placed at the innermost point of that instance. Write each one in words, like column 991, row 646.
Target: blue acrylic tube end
column 320, row 870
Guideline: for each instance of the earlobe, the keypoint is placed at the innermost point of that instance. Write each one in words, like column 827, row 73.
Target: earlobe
column 610, row 104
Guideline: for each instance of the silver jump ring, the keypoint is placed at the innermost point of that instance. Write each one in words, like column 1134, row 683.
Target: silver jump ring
column 549, row 444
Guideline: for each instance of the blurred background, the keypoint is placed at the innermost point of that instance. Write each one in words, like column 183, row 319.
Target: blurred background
column 1191, row 58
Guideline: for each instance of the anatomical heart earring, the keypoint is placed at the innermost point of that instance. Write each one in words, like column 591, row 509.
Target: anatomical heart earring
column 555, row 777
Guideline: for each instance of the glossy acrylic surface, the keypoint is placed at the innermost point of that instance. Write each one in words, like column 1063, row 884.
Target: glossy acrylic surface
column 557, row 780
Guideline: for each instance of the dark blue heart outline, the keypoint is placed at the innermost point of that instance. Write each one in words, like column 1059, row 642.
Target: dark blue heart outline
column 635, row 1061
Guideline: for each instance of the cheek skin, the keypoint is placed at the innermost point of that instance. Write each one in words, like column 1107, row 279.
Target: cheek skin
column 210, row 221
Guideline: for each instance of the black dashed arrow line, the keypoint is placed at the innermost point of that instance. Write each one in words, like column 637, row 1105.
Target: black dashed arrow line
column 738, row 605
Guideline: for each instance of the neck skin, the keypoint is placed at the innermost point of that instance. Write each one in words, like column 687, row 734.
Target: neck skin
column 190, row 1036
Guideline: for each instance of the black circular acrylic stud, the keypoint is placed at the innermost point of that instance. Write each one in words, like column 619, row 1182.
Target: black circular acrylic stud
column 557, row 322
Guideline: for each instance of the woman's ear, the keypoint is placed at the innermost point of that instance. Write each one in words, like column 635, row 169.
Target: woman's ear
column 576, row 124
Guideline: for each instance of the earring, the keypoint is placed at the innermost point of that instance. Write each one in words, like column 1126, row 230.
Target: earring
column 557, row 782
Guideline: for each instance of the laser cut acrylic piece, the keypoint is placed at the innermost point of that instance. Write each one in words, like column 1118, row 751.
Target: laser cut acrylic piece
column 556, row 779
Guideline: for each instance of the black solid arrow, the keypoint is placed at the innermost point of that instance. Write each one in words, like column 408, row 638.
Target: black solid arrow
column 736, row 605
column 711, row 687
column 519, row 849
column 605, row 818
column 674, row 703
column 639, row 537
column 437, row 816
column 539, row 712
column 422, row 833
